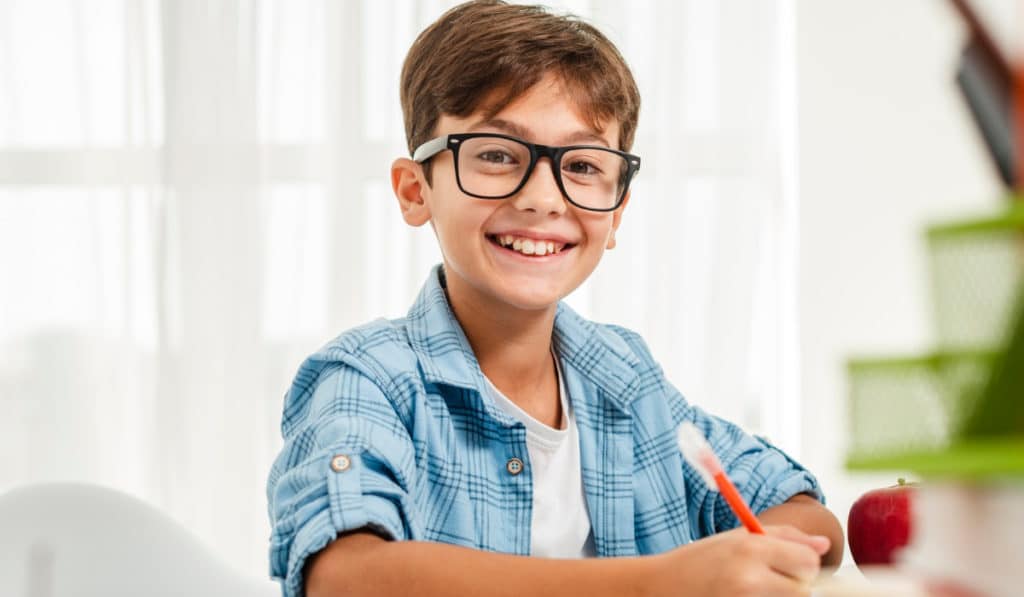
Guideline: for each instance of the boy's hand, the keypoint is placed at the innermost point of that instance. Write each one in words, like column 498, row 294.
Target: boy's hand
column 732, row 564
column 737, row 563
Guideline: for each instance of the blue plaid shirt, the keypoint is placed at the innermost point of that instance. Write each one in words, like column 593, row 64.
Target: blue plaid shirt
column 387, row 427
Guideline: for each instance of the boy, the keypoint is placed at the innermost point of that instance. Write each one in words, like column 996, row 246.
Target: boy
column 490, row 441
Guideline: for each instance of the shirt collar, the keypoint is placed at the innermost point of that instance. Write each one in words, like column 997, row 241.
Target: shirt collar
column 593, row 354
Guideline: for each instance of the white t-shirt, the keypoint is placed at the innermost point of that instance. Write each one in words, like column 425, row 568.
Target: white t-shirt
column 560, row 527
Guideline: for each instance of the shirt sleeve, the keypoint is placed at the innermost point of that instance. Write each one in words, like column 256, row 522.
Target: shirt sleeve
column 765, row 475
column 347, row 463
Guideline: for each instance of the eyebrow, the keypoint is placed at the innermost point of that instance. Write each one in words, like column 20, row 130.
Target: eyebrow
column 516, row 130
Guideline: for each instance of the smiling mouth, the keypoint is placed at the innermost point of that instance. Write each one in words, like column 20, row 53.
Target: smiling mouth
column 528, row 246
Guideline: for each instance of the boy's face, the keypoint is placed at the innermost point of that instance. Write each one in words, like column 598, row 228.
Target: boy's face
column 474, row 233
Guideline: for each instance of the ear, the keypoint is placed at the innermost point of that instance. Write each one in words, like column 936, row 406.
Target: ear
column 408, row 184
column 616, row 220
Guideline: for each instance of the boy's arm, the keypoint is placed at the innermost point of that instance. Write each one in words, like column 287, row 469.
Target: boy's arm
column 807, row 514
column 363, row 563
column 731, row 564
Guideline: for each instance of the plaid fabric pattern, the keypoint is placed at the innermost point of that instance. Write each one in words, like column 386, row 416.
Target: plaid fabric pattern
column 427, row 452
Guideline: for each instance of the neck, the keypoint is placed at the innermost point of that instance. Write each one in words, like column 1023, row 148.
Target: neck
column 513, row 347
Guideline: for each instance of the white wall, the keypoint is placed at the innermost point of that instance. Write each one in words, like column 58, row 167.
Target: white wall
column 886, row 147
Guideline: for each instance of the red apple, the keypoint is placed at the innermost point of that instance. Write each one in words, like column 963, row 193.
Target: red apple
column 879, row 524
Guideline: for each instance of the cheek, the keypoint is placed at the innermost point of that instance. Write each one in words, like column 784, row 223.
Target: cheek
column 458, row 222
column 598, row 229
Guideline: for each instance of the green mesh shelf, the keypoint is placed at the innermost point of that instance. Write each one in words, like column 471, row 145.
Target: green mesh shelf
column 977, row 274
column 912, row 405
column 958, row 411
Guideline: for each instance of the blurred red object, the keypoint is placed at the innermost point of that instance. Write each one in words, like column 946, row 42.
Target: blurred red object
column 1018, row 90
column 950, row 590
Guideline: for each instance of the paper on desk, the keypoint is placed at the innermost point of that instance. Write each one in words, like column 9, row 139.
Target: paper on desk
column 881, row 582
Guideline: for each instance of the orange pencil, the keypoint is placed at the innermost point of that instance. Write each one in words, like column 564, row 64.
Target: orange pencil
column 699, row 454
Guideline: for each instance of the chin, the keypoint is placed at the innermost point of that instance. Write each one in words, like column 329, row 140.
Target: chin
column 526, row 294
column 530, row 303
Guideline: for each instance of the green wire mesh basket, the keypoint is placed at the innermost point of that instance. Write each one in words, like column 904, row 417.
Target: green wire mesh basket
column 901, row 407
column 977, row 269
column 958, row 411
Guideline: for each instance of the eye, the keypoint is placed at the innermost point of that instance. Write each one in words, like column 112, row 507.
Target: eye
column 581, row 167
column 495, row 156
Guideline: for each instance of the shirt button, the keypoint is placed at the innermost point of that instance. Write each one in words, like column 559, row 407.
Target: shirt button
column 340, row 463
column 514, row 466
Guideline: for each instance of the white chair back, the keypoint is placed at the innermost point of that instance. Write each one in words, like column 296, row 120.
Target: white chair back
column 74, row 540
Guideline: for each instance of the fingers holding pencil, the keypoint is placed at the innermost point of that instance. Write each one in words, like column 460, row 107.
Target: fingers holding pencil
column 819, row 543
column 739, row 563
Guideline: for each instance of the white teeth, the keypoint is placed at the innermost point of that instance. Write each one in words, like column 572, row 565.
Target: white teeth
column 529, row 246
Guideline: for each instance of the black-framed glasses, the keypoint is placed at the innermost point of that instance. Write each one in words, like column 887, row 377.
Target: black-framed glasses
column 495, row 166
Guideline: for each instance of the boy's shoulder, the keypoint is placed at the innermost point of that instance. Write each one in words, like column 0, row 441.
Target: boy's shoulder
column 373, row 356
column 375, row 348
column 385, row 347
column 402, row 356
column 578, row 334
column 629, row 340
column 388, row 350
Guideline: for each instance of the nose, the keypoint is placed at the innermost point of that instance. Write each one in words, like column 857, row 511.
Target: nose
column 541, row 194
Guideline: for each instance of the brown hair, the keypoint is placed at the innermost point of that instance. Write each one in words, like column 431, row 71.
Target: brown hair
column 487, row 53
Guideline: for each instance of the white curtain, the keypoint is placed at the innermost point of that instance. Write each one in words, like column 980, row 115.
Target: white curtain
column 194, row 195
